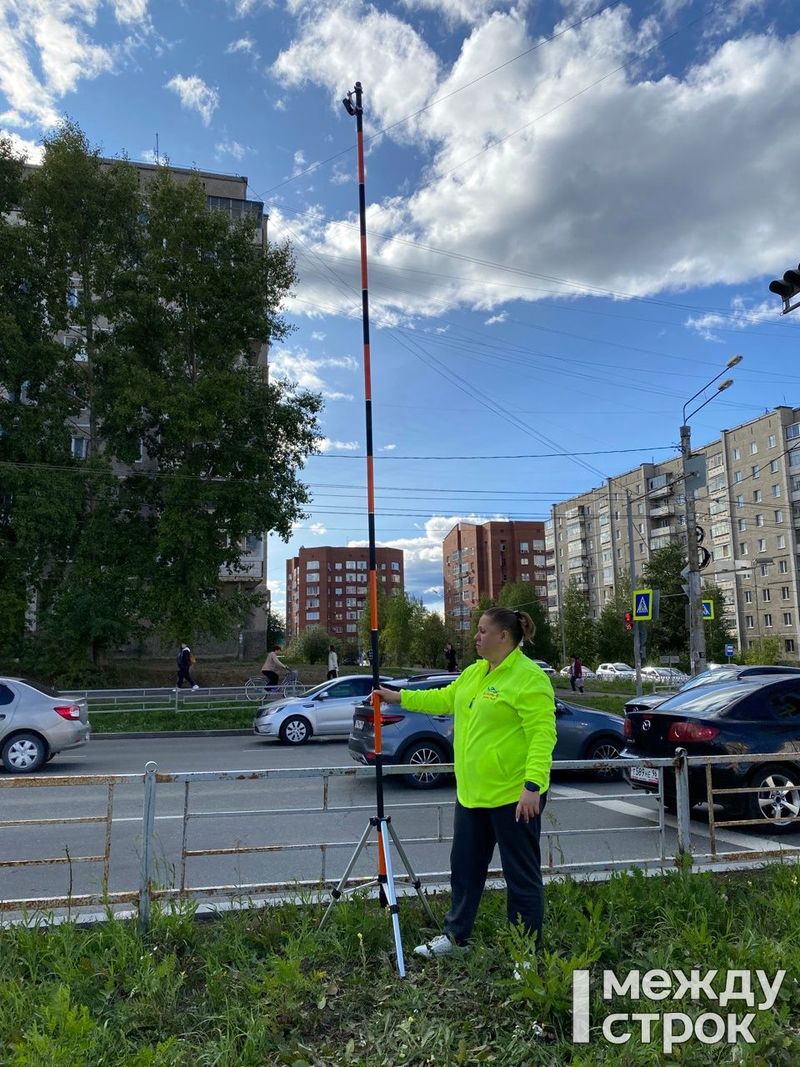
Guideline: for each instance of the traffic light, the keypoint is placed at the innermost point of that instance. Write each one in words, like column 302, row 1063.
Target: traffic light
column 787, row 288
column 628, row 621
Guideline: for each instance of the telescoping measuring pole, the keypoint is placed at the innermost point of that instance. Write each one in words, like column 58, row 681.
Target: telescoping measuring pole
column 381, row 823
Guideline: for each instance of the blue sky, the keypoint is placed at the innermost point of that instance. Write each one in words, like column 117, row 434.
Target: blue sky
column 573, row 219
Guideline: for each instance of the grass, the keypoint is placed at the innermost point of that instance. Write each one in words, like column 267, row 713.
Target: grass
column 265, row 987
column 237, row 717
column 614, row 705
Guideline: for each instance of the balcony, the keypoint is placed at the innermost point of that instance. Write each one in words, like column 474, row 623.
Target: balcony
column 240, row 209
column 663, row 511
column 662, row 492
column 249, row 570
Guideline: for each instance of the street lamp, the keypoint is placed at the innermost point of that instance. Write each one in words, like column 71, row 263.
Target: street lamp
column 697, row 634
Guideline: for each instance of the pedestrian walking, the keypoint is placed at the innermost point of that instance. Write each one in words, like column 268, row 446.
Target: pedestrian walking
column 576, row 674
column 450, row 658
column 333, row 663
column 504, row 735
column 271, row 666
column 185, row 662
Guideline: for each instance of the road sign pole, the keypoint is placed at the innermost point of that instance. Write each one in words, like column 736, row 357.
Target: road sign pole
column 637, row 644
column 697, row 635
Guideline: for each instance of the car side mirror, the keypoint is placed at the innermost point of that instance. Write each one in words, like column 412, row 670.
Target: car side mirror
column 322, row 696
column 560, row 709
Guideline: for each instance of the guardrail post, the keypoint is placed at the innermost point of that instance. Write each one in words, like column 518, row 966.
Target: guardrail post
column 148, row 827
column 682, row 801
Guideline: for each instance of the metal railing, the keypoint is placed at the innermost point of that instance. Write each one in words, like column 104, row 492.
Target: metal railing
column 218, row 698
column 149, row 890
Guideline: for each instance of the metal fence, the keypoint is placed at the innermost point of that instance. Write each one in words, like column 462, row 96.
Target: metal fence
column 194, row 814
column 220, row 698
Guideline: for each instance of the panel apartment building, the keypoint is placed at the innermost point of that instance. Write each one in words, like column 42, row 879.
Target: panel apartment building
column 327, row 587
column 749, row 511
column 480, row 559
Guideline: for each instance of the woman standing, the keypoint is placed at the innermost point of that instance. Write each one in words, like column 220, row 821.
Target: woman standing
column 504, row 735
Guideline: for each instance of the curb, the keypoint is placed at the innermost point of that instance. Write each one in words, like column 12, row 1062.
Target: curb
column 132, row 735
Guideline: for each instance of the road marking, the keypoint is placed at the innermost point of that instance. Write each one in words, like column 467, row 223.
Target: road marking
column 625, row 807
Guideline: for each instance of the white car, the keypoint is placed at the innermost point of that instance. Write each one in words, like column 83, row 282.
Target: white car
column 664, row 675
column 325, row 711
column 545, row 667
column 615, row 672
column 564, row 672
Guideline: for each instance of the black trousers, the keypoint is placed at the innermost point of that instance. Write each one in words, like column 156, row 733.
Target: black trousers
column 184, row 675
column 476, row 831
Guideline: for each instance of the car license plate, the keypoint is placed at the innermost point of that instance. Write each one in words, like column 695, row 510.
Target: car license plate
column 358, row 724
column 647, row 775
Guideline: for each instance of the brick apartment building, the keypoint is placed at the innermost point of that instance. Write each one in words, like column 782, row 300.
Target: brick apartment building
column 327, row 587
column 480, row 560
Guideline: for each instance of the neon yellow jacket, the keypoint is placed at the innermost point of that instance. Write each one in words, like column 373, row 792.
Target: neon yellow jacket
column 504, row 728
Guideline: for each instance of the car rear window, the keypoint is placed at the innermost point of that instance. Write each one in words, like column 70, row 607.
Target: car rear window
column 705, row 700
column 40, row 687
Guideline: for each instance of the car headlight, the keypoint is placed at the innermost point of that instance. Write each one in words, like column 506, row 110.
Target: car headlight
column 270, row 709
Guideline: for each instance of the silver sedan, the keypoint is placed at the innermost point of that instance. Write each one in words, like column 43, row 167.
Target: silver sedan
column 36, row 723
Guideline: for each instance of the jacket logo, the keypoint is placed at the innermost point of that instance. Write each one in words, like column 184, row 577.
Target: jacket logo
column 490, row 693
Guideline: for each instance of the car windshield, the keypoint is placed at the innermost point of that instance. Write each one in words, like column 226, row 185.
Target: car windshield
column 621, row 667
column 707, row 700
column 709, row 678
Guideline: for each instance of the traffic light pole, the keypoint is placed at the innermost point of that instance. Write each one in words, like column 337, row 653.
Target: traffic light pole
column 697, row 633
column 637, row 644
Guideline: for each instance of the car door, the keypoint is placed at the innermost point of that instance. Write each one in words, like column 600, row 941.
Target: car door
column 8, row 700
column 570, row 729
column 335, row 713
column 781, row 703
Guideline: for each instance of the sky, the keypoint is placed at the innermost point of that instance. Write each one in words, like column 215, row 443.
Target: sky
column 574, row 211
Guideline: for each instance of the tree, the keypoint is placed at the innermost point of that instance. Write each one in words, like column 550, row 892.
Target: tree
column 718, row 632
column 520, row 597
column 763, row 650
column 430, row 638
column 163, row 305
column 614, row 643
column 311, row 646
column 669, row 634
column 579, row 627
column 275, row 628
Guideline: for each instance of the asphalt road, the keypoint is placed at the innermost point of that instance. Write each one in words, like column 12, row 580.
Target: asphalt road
column 585, row 821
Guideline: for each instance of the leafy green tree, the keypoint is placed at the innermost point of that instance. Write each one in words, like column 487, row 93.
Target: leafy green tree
column 614, row 643
column 718, row 631
column 669, row 634
column 766, row 650
column 429, row 640
column 579, row 627
column 275, row 628
column 311, row 646
column 163, row 306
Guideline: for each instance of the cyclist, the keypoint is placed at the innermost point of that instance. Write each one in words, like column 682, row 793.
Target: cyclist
column 271, row 665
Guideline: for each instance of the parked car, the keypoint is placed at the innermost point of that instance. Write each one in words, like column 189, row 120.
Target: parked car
column 415, row 738
column 664, row 676
column 756, row 714
column 712, row 676
column 587, row 674
column 36, row 723
column 545, row 667
column 615, row 672
column 325, row 711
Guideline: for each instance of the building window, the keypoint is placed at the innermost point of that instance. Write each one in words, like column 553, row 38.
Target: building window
column 743, row 548
column 737, row 453
column 787, row 618
column 748, row 621
column 766, row 595
column 762, row 544
column 758, row 496
column 739, row 501
column 759, row 519
column 351, row 627
column 778, row 516
column 312, row 565
column 523, row 546
column 768, row 620
column 788, row 644
column 312, row 616
column 773, row 466
column 742, row 525
column 312, row 602
column 79, row 447
column 772, row 440
column 395, row 566
column 748, row 596
column 526, row 577
column 396, row 578
column 753, row 448
column 781, row 541
column 776, row 490
column 755, row 471
column 737, row 476
column 783, row 566
column 764, row 570
column 338, row 567
column 784, row 592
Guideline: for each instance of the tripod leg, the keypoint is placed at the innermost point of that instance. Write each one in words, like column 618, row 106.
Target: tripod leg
column 401, row 852
column 391, row 894
column 337, row 892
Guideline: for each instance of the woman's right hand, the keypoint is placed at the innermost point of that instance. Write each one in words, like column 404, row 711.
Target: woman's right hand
column 388, row 696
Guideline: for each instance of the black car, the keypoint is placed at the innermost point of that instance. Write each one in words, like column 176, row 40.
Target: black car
column 741, row 716
column 729, row 673
column 416, row 738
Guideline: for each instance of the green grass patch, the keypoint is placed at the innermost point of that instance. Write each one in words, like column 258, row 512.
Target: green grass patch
column 193, row 718
column 265, row 987
column 614, row 705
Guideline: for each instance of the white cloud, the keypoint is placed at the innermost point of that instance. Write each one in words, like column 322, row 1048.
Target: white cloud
column 243, row 44
column 195, row 95
column 28, row 150
column 243, row 8
column 454, row 11
column 318, row 528
column 296, row 365
column 326, row 445
column 232, row 148
column 493, row 320
column 130, row 11
column 387, row 448
column 299, row 162
column 741, row 316
column 641, row 184
column 317, row 335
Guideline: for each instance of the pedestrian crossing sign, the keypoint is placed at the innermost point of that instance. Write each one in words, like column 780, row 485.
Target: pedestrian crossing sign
column 642, row 605
column 708, row 610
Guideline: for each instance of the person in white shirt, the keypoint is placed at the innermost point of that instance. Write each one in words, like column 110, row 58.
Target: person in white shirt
column 333, row 663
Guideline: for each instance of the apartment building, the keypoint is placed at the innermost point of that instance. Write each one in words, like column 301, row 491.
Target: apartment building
column 480, row 559
column 327, row 587
column 749, row 511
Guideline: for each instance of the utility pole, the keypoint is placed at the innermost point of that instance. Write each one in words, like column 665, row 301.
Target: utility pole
column 697, row 633
column 637, row 644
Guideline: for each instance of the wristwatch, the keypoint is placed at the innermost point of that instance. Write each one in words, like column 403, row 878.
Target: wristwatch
column 532, row 787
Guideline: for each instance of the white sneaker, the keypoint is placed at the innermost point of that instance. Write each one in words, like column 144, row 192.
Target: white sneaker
column 441, row 945
column 195, row 687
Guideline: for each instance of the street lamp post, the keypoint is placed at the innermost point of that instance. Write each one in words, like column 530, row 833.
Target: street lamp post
column 697, row 634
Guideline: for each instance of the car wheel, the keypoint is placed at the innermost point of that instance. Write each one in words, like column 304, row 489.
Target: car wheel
column 295, row 731
column 424, row 752
column 24, row 753
column 604, row 748
column 777, row 801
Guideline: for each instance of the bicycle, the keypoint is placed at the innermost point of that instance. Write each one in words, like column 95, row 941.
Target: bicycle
column 258, row 688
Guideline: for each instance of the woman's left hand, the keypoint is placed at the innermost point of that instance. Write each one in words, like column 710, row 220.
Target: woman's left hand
column 528, row 806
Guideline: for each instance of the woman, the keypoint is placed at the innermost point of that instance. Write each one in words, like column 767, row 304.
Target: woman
column 504, row 735
column 450, row 658
column 271, row 665
column 576, row 674
column 333, row 663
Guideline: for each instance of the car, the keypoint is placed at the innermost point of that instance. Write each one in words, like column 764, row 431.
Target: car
column 36, row 723
column 664, row 676
column 615, row 672
column 742, row 715
column 415, row 738
column 325, row 711
column 545, row 666
column 711, row 676
column 587, row 674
